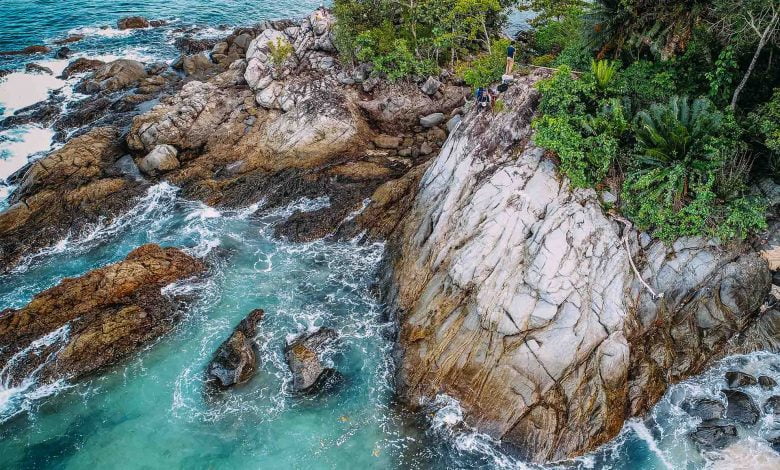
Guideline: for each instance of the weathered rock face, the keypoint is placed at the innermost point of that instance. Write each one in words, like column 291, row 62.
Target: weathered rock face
column 279, row 132
column 518, row 299
column 138, row 22
column 86, row 323
column 64, row 192
column 161, row 158
column 81, row 65
column 235, row 362
column 113, row 76
column 303, row 357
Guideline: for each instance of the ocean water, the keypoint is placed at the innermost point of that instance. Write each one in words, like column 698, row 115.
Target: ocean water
column 150, row 411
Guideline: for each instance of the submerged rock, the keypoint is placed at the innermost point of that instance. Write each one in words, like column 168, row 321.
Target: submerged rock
column 705, row 408
column 235, row 362
column 772, row 406
column 741, row 407
column 84, row 324
column 736, row 379
column 70, row 39
column 63, row 53
column 39, row 69
column 714, row 434
column 303, row 357
column 767, row 383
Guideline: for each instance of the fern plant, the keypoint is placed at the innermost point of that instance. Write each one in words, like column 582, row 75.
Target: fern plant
column 676, row 131
column 603, row 72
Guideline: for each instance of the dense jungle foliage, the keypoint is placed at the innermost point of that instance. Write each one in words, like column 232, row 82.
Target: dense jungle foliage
column 672, row 105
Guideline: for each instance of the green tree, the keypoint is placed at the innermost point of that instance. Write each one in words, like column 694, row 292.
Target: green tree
column 749, row 23
column 547, row 10
column 471, row 18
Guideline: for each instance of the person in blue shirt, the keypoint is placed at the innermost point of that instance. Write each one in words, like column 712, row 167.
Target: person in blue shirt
column 482, row 97
column 510, row 60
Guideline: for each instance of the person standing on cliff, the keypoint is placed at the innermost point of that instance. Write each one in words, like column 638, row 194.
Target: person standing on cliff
column 507, row 78
column 510, row 60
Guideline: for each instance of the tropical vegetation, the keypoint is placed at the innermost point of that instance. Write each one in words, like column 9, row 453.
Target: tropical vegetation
column 672, row 105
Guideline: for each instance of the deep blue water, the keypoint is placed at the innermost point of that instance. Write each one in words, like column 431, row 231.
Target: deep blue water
column 149, row 412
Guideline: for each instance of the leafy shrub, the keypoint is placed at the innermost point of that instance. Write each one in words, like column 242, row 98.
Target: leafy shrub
column 280, row 50
column 487, row 68
column 391, row 57
column 765, row 124
column 687, row 153
column 545, row 60
column 576, row 54
column 679, row 131
column 586, row 142
column 644, row 83
column 555, row 35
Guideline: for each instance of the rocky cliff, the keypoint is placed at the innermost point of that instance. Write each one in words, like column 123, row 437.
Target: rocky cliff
column 517, row 296
column 234, row 128
column 86, row 323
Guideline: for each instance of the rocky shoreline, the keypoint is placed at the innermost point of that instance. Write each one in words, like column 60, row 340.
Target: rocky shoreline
column 550, row 319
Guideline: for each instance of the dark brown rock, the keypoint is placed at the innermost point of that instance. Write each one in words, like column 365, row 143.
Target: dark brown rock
column 64, row 192
column 714, row 434
column 94, row 320
column 81, row 65
column 767, row 383
column 28, row 51
column 737, row 379
column 133, row 22
column 63, row 53
column 303, row 357
column 741, row 407
column 190, row 45
column 705, row 408
column 235, row 362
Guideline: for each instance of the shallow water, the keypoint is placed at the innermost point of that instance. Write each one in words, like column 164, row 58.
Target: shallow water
column 150, row 412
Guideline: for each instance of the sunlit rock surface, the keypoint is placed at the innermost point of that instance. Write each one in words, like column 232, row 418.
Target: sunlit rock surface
column 517, row 296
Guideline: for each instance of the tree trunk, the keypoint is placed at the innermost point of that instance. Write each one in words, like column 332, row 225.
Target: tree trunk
column 487, row 37
column 754, row 61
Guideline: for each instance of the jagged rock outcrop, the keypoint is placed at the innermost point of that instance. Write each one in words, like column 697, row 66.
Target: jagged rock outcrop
column 86, row 323
column 517, row 296
column 235, row 361
column 310, row 375
column 81, row 65
column 138, row 22
column 282, row 131
column 64, row 192
column 114, row 76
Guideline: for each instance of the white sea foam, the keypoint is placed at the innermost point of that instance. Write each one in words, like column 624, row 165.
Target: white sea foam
column 15, row 398
column 156, row 206
column 105, row 32
column 19, row 89
column 17, row 145
column 747, row 454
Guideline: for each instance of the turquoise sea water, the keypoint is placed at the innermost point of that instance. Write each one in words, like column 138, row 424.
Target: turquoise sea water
column 150, row 411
